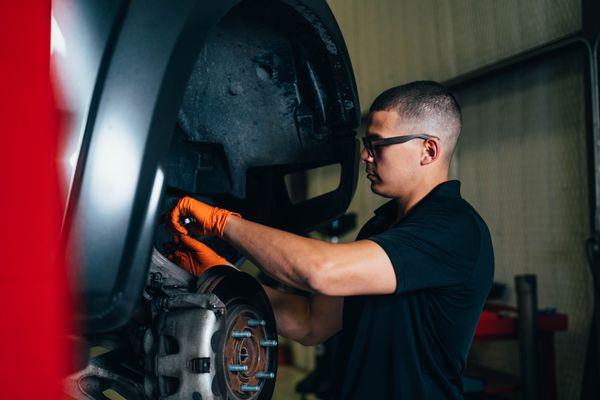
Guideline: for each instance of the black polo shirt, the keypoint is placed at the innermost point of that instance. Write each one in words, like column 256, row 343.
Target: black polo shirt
column 413, row 343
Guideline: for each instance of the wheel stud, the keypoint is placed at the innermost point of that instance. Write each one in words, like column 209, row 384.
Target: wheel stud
column 250, row 388
column 256, row 322
column 237, row 368
column 241, row 334
column 265, row 375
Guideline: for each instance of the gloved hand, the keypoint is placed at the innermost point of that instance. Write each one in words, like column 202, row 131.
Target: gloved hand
column 197, row 257
column 210, row 221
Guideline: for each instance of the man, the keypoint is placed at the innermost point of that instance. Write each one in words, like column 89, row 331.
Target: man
column 408, row 293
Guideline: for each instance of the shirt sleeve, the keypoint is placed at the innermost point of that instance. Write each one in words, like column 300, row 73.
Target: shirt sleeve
column 433, row 252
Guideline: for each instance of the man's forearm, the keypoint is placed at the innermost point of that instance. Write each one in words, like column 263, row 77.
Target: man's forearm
column 309, row 321
column 292, row 313
column 334, row 270
column 289, row 258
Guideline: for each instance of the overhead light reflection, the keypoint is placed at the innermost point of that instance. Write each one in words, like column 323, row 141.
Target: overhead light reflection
column 57, row 40
column 114, row 168
column 73, row 161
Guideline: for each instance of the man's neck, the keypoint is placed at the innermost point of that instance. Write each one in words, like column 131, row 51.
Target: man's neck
column 407, row 201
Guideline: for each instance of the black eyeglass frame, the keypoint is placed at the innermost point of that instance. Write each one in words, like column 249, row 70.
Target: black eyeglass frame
column 370, row 143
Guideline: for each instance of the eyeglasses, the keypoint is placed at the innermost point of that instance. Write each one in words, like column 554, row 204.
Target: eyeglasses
column 371, row 143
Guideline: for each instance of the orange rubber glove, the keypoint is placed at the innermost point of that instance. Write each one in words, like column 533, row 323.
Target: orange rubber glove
column 197, row 258
column 210, row 221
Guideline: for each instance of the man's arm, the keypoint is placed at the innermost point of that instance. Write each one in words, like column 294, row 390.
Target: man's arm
column 357, row 268
column 306, row 320
column 309, row 321
column 346, row 269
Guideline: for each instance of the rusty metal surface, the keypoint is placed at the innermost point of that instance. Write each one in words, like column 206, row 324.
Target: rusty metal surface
column 245, row 351
column 180, row 345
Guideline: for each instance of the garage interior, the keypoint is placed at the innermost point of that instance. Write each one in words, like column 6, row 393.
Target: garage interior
column 525, row 156
column 526, row 76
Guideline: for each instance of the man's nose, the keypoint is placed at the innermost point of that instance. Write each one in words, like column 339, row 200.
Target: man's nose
column 364, row 156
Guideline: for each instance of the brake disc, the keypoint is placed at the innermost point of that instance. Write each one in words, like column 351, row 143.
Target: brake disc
column 218, row 342
column 247, row 347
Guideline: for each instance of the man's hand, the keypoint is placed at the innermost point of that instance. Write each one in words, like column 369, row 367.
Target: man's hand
column 197, row 258
column 210, row 221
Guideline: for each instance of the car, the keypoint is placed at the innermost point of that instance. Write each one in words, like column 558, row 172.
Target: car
column 220, row 101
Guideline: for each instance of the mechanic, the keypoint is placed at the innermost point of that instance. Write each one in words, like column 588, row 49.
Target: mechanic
column 408, row 292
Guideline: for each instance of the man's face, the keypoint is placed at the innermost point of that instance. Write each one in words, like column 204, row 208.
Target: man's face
column 393, row 170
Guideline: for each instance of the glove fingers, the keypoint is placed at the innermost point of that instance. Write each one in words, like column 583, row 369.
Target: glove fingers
column 198, row 258
column 192, row 243
column 209, row 220
column 204, row 255
column 179, row 211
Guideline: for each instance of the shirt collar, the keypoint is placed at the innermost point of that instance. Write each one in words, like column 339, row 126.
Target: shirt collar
column 446, row 189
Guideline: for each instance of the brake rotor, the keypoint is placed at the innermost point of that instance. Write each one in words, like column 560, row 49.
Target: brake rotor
column 247, row 346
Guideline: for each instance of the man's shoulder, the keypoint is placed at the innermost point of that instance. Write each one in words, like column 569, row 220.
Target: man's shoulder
column 466, row 212
column 450, row 213
column 450, row 224
column 466, row 228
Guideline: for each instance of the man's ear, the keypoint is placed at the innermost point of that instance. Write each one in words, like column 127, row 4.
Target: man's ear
column 431, row 151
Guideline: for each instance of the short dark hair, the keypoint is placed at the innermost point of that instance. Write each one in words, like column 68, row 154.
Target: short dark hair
column 424, row 102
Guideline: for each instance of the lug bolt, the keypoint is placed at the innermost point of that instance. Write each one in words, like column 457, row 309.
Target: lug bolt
column 250, row 388
column 241, row 334
column 256, row 322
column 237, row 368
column 265, row 375
column 268, row 343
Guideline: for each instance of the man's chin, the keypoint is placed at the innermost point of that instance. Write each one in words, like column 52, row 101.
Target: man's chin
column 375, row 188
